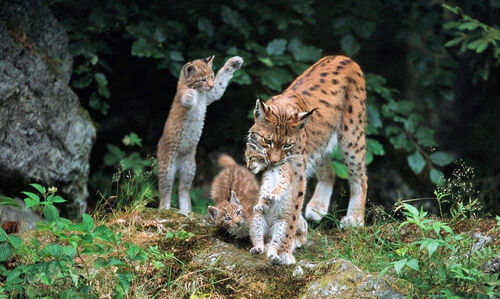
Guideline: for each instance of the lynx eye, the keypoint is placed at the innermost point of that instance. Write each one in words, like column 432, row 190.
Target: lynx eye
column 228, row 218
column 238, row 212
column 268, row 142
column 287, row 146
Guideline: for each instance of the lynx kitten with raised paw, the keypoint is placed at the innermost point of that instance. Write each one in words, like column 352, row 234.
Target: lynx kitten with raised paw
column 197, row 88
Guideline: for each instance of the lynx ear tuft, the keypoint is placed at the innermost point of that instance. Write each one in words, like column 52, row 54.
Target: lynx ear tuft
column 301, row 117
column 208, row 60
column 212, row 212
column 260, row 111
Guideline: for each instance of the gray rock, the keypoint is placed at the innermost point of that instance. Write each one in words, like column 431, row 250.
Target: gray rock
column 26, row 219
column 46, row 136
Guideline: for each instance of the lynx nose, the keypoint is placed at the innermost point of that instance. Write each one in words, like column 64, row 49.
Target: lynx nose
column 274, row 157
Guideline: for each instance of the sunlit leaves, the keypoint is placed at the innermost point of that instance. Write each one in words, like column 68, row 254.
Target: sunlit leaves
column 302, row 52
column 276, row 47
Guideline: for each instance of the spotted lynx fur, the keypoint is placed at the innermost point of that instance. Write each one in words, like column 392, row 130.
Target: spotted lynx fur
column 235, row 192
column 322, row 108
column 197, row 88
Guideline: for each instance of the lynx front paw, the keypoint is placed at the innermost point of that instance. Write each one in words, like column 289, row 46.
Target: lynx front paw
column 271, row 198
column 287, row 259
column 234, row 63
column 352, row 221
column 274, row 259
column 257, row 249
column 188, row 97
column 260, row 208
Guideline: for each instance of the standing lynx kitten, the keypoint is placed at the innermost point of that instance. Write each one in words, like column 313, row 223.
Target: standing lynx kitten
column 322, row 107
column 197, row 88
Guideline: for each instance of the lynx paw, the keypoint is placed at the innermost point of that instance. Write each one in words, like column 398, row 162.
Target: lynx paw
column 352, row 221
column 274, row 259
column 315, row 213
column 260, row 208
column 188, row 97
column 257, row 250
column 287, row 259
column 234, row 63
column 271, row 198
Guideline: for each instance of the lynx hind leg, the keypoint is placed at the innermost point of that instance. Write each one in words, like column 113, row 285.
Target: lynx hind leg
column 187, row 170
column 317, row 207
column 353, row 148
column 166, row 177
column 300, row 233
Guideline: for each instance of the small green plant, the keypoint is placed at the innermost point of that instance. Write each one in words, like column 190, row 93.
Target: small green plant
column 62, row 267
column 440, row 261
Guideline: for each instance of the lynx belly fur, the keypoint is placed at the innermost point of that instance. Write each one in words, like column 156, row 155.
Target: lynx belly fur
column 197, row 88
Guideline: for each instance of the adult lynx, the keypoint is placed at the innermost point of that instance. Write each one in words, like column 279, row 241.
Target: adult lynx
column 197, row 88
column 323, row 107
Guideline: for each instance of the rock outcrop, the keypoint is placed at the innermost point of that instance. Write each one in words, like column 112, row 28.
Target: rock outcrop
column 45, row 134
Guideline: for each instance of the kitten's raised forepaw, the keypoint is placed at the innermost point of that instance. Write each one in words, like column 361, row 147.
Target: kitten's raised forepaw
column 274, row 259
column 351, row 221
column 234, row 63
column 257, row 250
column 187, row 97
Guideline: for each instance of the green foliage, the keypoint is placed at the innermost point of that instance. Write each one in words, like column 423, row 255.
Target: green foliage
column 473, row 35
column 442, row 262
column 46, row 270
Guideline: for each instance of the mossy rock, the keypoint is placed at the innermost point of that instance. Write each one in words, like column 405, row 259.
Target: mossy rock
column 221, row 266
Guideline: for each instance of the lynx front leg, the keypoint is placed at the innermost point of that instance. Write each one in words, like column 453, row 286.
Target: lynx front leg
column 318, row 205
column 279, row 234
column 222, row 79
column 258, row 229
column 187, row 170
column 166, row 177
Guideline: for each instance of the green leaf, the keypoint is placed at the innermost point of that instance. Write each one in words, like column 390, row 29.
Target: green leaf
column 374, row 147
column 15, row 241
column 399, row 265
column 340, row 170
column 436, row 176
column 206, row 26
column 432, row 247
column 132, row 139
column 7, row 201
column 87, row 222
column 304, row 53
column 276, row 47
column 413, row 263
column 55, row 250
column 124, row 278
column 274, row 78
column 39, row 188
column 176, row 56
column 441, row 158
column 5, row 252
column 266, row 61
column 467, row 26
column 3, row 235
column 416, row 162
column 51, row 213
column 58, row 199
column 413, row 211
column 350, row 45
column 82, row 82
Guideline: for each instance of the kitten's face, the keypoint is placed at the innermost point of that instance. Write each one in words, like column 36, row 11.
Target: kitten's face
column 255, row 156
column 228, row 215
column 275, row 132
column 198, row 74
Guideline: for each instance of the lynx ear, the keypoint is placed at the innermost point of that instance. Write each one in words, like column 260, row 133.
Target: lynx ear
column 212, row 212
column 234, row 198
column 188, row 69
column 301, row 117
column 208, row 60
column 260, row 111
